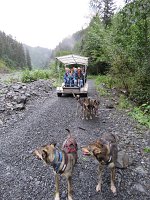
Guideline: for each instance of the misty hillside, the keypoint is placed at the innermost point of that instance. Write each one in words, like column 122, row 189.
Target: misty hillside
column 69, row 44
column 12, row 54
column 40, row 56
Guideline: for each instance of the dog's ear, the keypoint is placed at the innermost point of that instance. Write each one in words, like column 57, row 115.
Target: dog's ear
column 97, row 151
column 53, row 144
column 44, row 154
column 100, row 143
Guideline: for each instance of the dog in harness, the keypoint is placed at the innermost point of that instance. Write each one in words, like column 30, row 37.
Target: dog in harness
column 105, row 151
column 61, row 160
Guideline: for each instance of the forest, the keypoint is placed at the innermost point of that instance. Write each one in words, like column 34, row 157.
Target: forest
column 118, row 44
column 13, row 54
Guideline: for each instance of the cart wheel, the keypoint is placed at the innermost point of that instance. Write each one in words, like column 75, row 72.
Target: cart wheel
column 59, row 94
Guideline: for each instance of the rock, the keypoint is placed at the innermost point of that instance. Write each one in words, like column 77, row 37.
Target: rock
column 140, row 170
column 9, row 95
column 1, row 122
column 16, row 87
column 63, row 195
column 2, row 109
column 19, row 106
column 123, row 160
column 109, row 106
column 139, row 188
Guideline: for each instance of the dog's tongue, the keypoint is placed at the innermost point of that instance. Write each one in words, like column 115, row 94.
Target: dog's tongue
column 85, row 151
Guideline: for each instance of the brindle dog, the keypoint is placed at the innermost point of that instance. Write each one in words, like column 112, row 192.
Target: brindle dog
column 105, row 151
column 89, row 107
column 62, row 161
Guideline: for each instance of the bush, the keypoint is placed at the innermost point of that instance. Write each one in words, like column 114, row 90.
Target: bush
column 28, row 76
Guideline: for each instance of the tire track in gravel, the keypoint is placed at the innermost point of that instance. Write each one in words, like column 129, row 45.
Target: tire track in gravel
column 23, row 177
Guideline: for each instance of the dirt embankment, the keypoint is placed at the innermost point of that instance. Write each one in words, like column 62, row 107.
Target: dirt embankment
column 42, row 119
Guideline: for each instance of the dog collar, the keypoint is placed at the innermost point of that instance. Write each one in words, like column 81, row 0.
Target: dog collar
column 57, row 160
column 109, row 161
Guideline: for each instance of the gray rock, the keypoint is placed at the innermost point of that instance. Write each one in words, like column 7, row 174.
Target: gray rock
column 140, row 170
column 19, row 106
column 139, row 188
column 16, row 87
column 1, row 122
column 123, row 160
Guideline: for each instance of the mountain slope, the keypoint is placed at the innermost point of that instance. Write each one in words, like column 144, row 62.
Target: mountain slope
column 39, row 56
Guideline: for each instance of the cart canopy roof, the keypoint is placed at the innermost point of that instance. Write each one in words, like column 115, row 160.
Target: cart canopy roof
column 73, row 59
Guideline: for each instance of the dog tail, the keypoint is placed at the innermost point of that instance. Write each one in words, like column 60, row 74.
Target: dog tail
column 68, row 130
column 82, row 128
column 77, row 97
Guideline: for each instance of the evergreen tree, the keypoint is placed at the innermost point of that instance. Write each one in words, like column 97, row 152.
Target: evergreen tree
column 28, row 60
column 105, row 8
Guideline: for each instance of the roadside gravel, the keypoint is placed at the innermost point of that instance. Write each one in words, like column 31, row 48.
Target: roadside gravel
column 23, row 177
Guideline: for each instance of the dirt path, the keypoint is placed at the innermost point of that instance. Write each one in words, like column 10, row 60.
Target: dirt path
column 22, row 177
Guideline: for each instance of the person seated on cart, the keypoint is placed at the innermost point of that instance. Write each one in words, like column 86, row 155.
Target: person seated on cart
column 71, row 77
column 66, row 77
column 80, row 77
column 75, row 76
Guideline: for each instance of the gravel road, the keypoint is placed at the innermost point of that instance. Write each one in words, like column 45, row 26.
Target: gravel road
column 23, row 177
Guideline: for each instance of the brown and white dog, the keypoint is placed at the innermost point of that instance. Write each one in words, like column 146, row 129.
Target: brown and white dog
column 62, row 161
column 89, row 107
column 105, row 151
column 94, row 107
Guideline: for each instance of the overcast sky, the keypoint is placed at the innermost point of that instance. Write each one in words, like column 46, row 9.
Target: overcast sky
column 43, row 22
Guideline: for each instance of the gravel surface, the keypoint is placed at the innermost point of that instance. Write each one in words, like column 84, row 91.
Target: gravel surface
column 44, row 119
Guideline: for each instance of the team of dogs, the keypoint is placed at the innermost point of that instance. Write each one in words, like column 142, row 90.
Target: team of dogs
column 63, row 160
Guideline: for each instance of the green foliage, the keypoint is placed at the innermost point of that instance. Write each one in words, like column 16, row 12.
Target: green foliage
column 3, row 67
column 11, row 52
column 141, row 116
column 130, row 50
column 147, row 149
column 124, row 103
column 92, row 46
column 122, row 49
column 29, row 76
column 105, row 9
column 103, row 83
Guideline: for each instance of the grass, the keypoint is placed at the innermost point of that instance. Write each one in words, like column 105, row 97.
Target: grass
column 34, row 75
column 124, row 103
column 4, row 68
column 141, row 114
column 103, row 83
column 147, row 149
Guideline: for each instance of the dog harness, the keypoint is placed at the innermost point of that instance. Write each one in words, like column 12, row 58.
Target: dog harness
column 58, row 157
column 70, row 147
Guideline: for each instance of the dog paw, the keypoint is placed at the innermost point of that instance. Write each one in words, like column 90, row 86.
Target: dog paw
column 98, row 187
column 57, row 197
column 113, row 189
column 70, row 198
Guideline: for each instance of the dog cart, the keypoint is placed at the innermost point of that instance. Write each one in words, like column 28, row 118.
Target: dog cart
column 73, row 82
